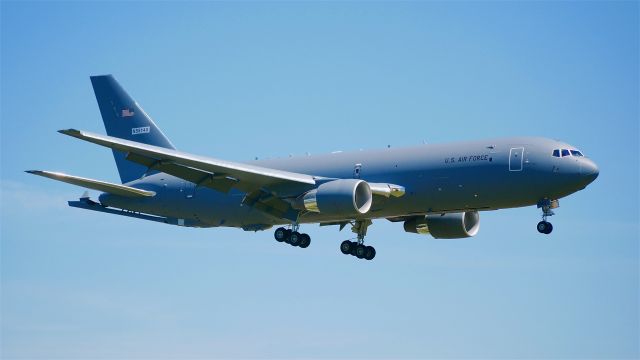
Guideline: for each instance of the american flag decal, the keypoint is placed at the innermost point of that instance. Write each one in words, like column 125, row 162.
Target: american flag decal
column 127, row 113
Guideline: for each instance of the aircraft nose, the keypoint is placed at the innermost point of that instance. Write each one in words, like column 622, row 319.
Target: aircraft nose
column 589, row 170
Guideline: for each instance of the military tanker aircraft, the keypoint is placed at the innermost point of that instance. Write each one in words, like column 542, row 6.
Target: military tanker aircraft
column 436, row 189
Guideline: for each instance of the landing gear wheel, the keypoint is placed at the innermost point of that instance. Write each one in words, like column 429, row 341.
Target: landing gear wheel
column 305, row 240
column 547, row 205
column 280, row 234
column 545, row 227
column 345, row 247
column 295, row 238
column 360, row 251
column 354, row 246
column 370, row 252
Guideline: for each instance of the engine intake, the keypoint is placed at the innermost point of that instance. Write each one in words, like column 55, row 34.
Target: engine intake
column 340, row 197
column 445, row 226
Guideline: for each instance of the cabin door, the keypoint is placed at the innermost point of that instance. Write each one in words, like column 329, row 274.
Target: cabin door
column 516, row 157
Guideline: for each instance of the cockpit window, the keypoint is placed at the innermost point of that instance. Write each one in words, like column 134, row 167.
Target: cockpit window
column 566, row 152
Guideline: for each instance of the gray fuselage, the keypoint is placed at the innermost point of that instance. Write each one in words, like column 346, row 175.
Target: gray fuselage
column 464, row 176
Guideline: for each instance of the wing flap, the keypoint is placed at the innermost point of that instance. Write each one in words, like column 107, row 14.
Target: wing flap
column 218, row 182
column 104, row 186
column 270, row 204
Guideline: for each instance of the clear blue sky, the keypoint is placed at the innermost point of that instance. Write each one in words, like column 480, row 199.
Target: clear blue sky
column 239, row 80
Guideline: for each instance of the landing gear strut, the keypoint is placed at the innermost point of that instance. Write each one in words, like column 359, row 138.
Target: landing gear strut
column 357, row 248
column 545, row 227
column 292, row 236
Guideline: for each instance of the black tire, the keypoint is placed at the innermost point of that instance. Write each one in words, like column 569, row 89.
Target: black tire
column 370, row 253
column 295, row 238
column 305, row 241
column 287, row 235
column 345, row 247
column 360, row 251
column 542, row 227
column 549, row 228
column 280, row 234
column 354, row 246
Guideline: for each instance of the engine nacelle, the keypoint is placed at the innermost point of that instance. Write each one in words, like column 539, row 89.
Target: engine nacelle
column 345, row 197
column 445, row 226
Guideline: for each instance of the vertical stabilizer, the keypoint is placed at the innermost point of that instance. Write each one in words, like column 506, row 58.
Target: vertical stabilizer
column 125, row 119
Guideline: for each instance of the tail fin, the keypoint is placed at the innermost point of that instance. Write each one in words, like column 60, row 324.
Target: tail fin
column 125, row 119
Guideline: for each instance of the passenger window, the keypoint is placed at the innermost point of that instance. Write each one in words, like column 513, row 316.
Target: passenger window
column 556, row 153
column 576, row 153
column 565, row 152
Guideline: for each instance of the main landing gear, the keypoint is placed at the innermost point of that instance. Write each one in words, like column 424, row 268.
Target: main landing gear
column 292, row 237
column 357, row 248
column 545, row 227
column 354, row 248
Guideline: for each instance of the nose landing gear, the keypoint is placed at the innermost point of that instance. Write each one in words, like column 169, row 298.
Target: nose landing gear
column 545, row 227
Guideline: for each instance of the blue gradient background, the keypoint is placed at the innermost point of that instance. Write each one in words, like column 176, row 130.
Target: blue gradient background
column 240, row 80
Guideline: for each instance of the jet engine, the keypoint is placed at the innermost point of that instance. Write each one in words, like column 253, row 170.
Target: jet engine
column 345, row 197
column 445, row 226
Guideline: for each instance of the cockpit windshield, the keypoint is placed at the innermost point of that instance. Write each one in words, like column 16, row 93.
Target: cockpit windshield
column 566, row 152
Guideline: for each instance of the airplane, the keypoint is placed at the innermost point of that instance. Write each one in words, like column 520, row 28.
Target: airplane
column 436, row 189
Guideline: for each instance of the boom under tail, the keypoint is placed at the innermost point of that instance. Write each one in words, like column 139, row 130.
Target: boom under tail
column 124, row 118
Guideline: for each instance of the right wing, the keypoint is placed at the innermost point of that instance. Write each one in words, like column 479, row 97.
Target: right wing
column 104, row 186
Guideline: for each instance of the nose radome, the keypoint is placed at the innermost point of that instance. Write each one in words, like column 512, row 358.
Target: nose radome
column 589, row 169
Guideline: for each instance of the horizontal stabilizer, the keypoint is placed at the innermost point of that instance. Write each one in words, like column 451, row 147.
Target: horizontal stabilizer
column 111, row 188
